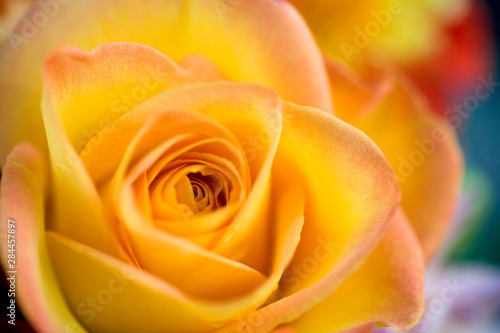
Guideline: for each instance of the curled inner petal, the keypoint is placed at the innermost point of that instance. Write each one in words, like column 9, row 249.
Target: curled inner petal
column 191, row 184
column 151, row 200
column 220, row 126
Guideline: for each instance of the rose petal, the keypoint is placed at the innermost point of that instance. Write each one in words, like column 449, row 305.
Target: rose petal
column 91, row 89
column 360, row 329
column 351, row 194
column 388, row 288
column 422, row 149
column 353, row 97
column 117, row 289
column 284, row 329
column 347, row 179
column 257, row 41
column 23, row 186
column 77, row 210
column 162, row 306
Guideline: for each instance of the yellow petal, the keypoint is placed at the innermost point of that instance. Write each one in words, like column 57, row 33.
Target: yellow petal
column 91, row 89
column 351, row 193
column 353, row 96
column 257, row 41
column 104, row 292
column 77, row 211
column 284, row 329
column 37, row 293
column 422, row 149
column 360, row 329
column 388, row 288
column 351, row 189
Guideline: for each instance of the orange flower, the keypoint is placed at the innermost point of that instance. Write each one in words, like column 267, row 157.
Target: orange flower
column 442, row 45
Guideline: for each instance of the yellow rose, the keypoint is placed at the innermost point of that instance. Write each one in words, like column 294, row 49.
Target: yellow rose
column 172, row 198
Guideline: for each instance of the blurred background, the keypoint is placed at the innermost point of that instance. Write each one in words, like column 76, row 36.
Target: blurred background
column 468, row 267
column 480, row 138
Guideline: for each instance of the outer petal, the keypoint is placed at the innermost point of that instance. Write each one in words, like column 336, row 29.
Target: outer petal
column 24, row 179
column 354, row 97
column 91, row 89
column 259, row 41
column 284, row 329
column 388, row 288
column 351, row 194
column 360, row 329
column 422, row 149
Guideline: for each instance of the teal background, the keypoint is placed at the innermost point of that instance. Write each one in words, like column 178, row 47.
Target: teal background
column 480, row 138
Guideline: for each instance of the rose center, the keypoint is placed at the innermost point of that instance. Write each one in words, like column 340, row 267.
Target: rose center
column 208, row 192
column 190, row 189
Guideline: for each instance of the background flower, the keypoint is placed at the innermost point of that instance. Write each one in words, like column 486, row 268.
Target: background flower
column 442, row 45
